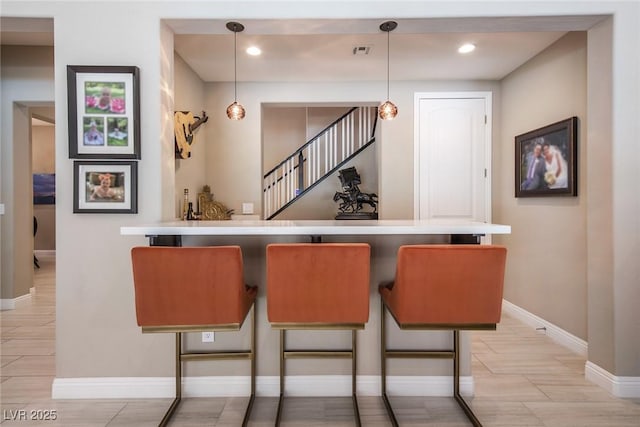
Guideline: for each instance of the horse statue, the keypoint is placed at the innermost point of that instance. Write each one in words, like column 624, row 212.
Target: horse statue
column 347, row 204
column 369, row 198
column 352, row 199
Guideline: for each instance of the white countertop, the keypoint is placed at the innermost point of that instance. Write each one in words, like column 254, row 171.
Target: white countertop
column 312, row 227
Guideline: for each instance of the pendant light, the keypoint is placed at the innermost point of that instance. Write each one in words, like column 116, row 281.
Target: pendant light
column 235, row 111
column 388, row 110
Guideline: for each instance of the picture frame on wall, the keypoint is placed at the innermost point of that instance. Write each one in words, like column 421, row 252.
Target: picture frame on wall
column 105, row 187
column 44, row 188
column 546, row 160
column 104, row 112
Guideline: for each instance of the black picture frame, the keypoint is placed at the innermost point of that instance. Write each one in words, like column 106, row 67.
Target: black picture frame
column 105, row 187
column 104, row 112
column 554, row 171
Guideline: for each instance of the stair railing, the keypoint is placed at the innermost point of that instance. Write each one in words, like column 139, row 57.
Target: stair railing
column 318, row 158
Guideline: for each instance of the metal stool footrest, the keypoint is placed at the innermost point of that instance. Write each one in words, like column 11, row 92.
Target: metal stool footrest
column 214, row 355
column 425, row 354
column 308, row 354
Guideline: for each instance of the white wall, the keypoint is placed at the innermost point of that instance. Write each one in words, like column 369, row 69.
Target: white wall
column 95, row 306
column 547, row 247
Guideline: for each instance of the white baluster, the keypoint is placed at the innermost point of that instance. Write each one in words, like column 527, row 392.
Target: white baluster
column 342, row 141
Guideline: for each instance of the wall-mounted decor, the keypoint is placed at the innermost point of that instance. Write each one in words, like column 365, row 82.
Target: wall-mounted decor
column 105, row 187
column 184, row 124
column 104, row 112
column 44, row 188
column 547, row 160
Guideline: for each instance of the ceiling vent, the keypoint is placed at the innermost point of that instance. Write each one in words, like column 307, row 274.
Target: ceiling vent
column 361, row 50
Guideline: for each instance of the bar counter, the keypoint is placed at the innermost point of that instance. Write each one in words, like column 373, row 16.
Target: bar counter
column 323, row 377
column 316, row 228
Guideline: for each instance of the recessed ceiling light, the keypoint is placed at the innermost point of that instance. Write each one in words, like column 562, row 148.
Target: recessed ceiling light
column 467, row 48
column 254, row 50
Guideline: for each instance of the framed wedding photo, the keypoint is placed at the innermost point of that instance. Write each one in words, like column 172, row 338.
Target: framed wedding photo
column 104, row 112
column 546, row 160
column 105, row 187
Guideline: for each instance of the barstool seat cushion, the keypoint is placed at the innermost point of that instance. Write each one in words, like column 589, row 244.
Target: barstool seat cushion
column 447, row 284
column 318, row 283
column 221, row 298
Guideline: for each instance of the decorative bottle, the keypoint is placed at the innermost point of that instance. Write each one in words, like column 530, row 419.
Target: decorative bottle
column 190, row 215
column 185, row 204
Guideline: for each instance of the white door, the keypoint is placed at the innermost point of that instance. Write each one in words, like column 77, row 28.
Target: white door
column 453, row 155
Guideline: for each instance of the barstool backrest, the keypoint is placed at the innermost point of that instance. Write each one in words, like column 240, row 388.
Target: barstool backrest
column 189, row 286
column 318, row 283
column 449, row 284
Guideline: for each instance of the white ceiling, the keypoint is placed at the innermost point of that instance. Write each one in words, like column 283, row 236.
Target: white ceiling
column 322, row 50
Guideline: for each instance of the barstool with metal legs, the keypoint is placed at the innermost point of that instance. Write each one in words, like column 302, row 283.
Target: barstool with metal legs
column 194, row 289
column 443, row 287
column 318, row 286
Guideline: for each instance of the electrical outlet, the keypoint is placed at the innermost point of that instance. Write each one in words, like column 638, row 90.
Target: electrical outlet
column 208, row 337
column 247, row 208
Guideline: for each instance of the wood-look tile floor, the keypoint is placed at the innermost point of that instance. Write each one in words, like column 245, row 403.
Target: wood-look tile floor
column 522, row 379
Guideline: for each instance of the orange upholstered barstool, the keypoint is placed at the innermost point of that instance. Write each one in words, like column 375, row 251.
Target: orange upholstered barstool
column 194, row 289
column 318, row 286
column 443, row 287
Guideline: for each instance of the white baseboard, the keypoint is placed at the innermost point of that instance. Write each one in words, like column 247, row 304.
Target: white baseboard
column 554, row 332
column 7, row 304
column 10, row 304
column 44, row 252
column 626, row 387
column 297, row 385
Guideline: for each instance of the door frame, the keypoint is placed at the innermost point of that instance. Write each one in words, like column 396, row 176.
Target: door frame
column 487, row 96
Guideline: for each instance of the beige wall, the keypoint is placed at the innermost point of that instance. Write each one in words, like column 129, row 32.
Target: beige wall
column 318, row 118
column 189, row 96
column 600, row 256
column 239, row 181
column 43, row 161
column 319, row 204
column 284, row 130
column 43, row 147
column 96, row 320
column 27, row 82
column 547, row 247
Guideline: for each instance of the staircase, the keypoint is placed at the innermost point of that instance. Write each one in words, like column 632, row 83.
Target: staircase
column 314, row 161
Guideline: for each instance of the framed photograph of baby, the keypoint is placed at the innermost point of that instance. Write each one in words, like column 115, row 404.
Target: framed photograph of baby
column 105, row 187
column 546, row 160
column 104, row 112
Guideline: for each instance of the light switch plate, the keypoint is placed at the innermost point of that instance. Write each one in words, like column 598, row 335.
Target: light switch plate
column 1, row 208
column 247, row 208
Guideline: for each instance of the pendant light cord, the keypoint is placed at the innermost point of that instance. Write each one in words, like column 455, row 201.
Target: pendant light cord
column 388, row 31
column 235, row 66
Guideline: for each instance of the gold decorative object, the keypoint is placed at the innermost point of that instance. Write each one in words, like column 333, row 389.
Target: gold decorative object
column 210, row 209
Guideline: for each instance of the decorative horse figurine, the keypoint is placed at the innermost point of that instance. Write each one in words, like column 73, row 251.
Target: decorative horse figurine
column 369, row 198
column 352, row 199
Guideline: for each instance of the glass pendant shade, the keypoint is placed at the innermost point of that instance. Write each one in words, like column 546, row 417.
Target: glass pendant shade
column 387, row 110
column 235, row 111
